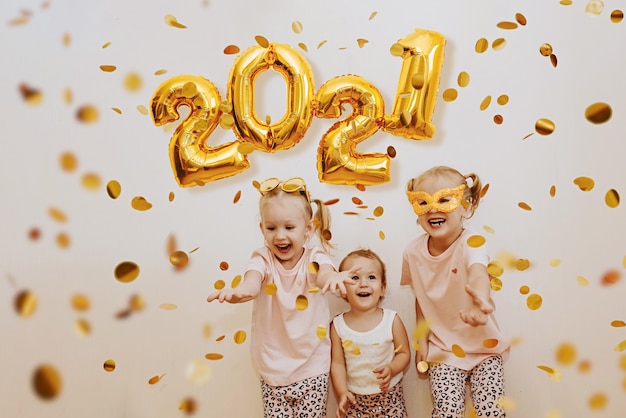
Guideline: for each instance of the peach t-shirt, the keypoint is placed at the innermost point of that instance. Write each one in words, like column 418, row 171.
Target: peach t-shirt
column 284, row 343
column 438, row 283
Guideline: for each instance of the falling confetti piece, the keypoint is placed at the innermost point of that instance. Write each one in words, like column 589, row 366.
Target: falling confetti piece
column 80, row 302
column 507, row 25
column 584, row 183
column 108, row 68
column 321, row 44
column 553, row 374
column 544, row 127
column 555, row 263
column 262, row 41
column 126, row 271
column 610, row 278
column 301, row 302
column 534, row 302
column 361, row 42
column 87, row 114
column 47, row 381
column 521, row 19
column 133, row 82
column 485, row 103
column 617, row 16
column 219, row 284
column 231, row 50
column 25, row 303
column 450, row 95
column 171, row 20
column 545, row 50
column 552, row 191
column 476, row 241
column 594, row 8
column 109, row 365
column 57, row 214
column 106, row 45
column 82, row 327
column 321, row 332
column 612, row 198
column 296, row 26
column 422, row 366
column 331, row 202
column 524, row 290
column 168, row 306
column 553, row 60
column 502, row 100
column 524, row 205
column 63, row 240
column 188, row 405
column 490, row 343
column 160, row 72
column 239, row 337
column 30, row 95
column 598, row 113
column 140, row 203
column 396, row 50
column 213, row 356
column 270, row 289
column 598, row 401
column 34, row 233
column 198, row 371
column 136, row 303
column 179, row 259
column 314, row 267
column 458, row 351
column 522, row 264
column 313, row 289
column 155, row 379
column 618, row 324
column 498, row 44
column 481, row 45
column 566, row 354
column 114, row 189
column 463, row 79
column 373, row 15
column 495, row 268
column 495, row 284
column 582, row 281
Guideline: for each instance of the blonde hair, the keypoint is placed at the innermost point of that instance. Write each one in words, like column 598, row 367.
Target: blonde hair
column 320, row 218
column 471, row 194
column 365, row 253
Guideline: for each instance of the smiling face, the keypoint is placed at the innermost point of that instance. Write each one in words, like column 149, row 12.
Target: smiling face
column 285, row 225
column 443, row 227
column 369, row 282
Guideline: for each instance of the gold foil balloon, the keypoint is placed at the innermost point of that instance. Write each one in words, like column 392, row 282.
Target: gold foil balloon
column 193, row 161
column 338, row 162
column 290, row 129
column 422, row 58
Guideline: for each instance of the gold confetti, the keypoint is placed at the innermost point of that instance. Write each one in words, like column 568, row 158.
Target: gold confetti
column 524, row 206
column 114, row 189
column 179, row 259
column 219, row 284
column 544, row 127
column 227, row 121
column 495, row 269
column 188, row 405
column 108, row 68
column 321, row 332
column 160, row 72
column 133, row 82
column 82, row 327
column 498, row 119
column 545, row 50
column 485, row 103
column 296, row 26
column 378, row 211
column 458, row 351
column 239, row 337
column 30, row 95
column 476, row 241
column 553, row 60
column 597, row 401
column 450, row 95
column 481, row 45
column 612, row 198
column 417, row 81
column 391, row 152
column 34, row 233
column 617, row 16
column 314, row 267
column 155, row 379
column 262, row 41
column 566, row 354
column 236, row 281
column 87, row 114
column 522, row 264
column 302, row 47
column 106, row 45
column 25, row 303
column 498, row 44
column 381, row 235
column 313, row 289
column 495, row 284
column 610, row 277
column 47, row 381
column 502, row 100
column 552, row 191
column 91, row 181
column 321, row 44
column 109, row 365
column 582, row 281
column 524, row 290
column 396, row 50
column 331, row 202
column 584, row 183
column 80, row 302
column 136, row 303
column 373, row 15
column 361, row 42
column 422, row 366
column 618, row 324
column 57, row 215
column 553, row 374
column 521, row 19
column 168, row 306
column 116, row 110
column 301, row 302
column 534, row 302
column 173, row 22
column 555, row 263
column 220, row 338
column 270, row 289
column 213, row 356
column 140, row 203
column 490, row 343
column 170, row 196
column 507, row 25
column 126, row 271
column 63, row 240
column 231, row 50
column 594, row 8
column 598, row 113
column 224, row 266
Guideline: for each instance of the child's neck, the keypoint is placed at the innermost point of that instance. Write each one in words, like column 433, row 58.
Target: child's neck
column 437, row 246
column 363, row 320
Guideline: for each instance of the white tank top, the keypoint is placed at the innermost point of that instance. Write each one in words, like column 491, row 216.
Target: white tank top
column 365, row 351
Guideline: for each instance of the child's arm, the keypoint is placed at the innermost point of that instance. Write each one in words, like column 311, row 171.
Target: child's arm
column 246, row 291
column 422, row 340
column 478, row 287
column 401, row 358
column 338, row 375
column 330, row 279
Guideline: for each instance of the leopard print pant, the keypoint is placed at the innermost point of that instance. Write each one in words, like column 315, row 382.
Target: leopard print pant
column 388, row 404
column 448, row 387
column 304, row 399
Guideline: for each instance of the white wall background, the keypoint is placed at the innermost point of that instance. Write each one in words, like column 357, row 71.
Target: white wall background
column 570, row 234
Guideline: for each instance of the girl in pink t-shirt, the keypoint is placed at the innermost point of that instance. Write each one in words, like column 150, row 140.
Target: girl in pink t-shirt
column 449, row 278
column 283, row 278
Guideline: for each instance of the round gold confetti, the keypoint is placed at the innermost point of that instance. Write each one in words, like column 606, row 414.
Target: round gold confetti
column 594, row 8
column 507, row 25
column 224, row 266
column 236, row 281
column 133, row 82
column 458, row 351
column 219, row 284
column 296, row 26
column 239, row 337
column 170, row 196
column 396, row 50
column 378, row 211
column 417, row 81
column 373, row 15
column 357, row 201
column 67, row 96
column 585, row 184
column 495, row 269
column 106, row 45
column 498, row 44
column 213, row 356
column 68, row 162
column 63, row 240
column 618, row 324
column 476, row 241
column 270, row 289
column 544, row 127
column 552, row 191
column 522, row 264
column 25, row 303
column 126, row 271
column 524, row 205
column 490, row 343
column 553, row 60
column 521, row 19
column 495, row 284
column 485, row 103
column 331, row 202
column 534, row 302
column 57, row 214
column 220, row 338
column 91, row 181
column 391, row 152
column 327, row 235
column 524, row 290
column 502, row 99
column 598, row 113
column 87, row 114
column 80, row 302
column 314, row 267
column 188, row 406
column 160, row 72
column 47, row 381
column 612, row 198
column 381, row 235
column 136, row 303
column 109, row 365
column 227, row 121
column 611, row 277
column 302, row 302
column 545, row 50
column 313, row 289
column 168, row 306
column 114, row 189
column 481, row 45
column 498, row 119
column 237, row 196
column 463, row 79
column 321, row 332
column 597, row 401
column 450, row 95
column 171, row 20
column 31, row 95
column 262, row 41
column 231, row 50
column 555, row 263
column 108, row 68
column 489, row 229
column 566, row 354
column 617, row 16
column 245, row 148
column 422, row 366
column 582, row 281
column 82, row 327
column 155, row 379
column 179, row 259
column 140, row 203
column 34, row 233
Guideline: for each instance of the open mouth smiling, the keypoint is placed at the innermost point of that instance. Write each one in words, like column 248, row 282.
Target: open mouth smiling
column 437, row 221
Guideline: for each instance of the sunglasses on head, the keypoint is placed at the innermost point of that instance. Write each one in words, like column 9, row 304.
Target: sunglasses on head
column 292, row 185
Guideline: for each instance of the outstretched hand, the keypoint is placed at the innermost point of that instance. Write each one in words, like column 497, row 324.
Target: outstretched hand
column 337, row 281
column 481, row 308
column 230, row 296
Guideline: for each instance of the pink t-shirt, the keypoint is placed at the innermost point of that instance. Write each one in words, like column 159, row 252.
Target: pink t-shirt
column 438, row 283
column 284, row 343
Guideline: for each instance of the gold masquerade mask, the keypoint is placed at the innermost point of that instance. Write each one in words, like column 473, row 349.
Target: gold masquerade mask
column 292, row 185
column 444, row 200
